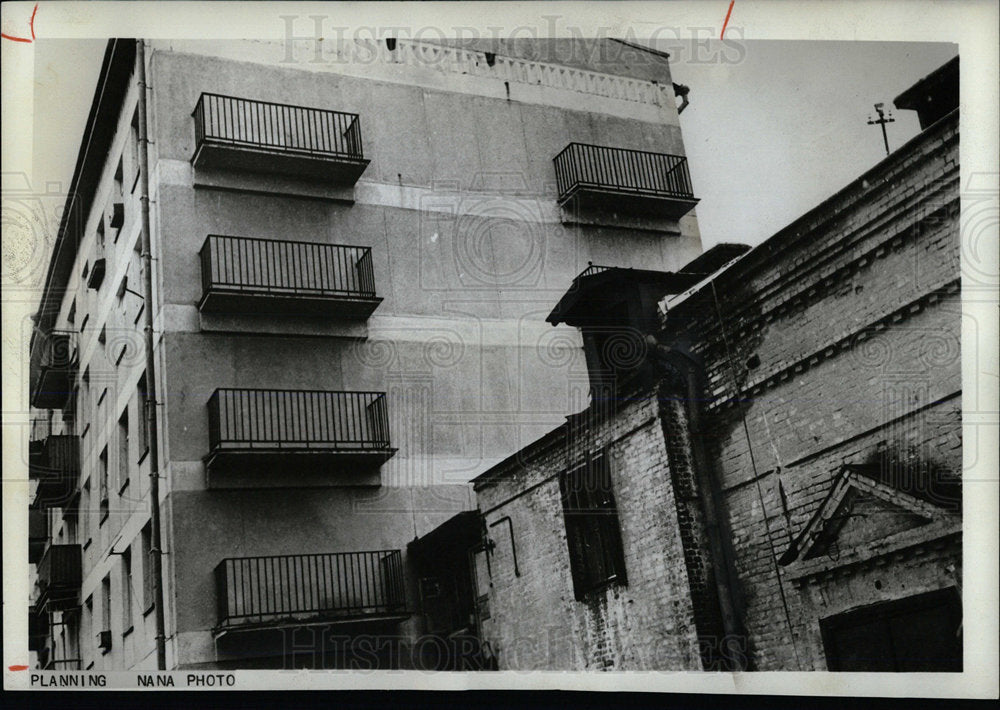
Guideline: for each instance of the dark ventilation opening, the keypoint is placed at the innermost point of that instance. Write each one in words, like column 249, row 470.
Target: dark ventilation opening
column 390, row 42
column 491, row 58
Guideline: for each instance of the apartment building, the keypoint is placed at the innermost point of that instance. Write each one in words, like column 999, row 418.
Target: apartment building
column 768, row 475
column 293, row 307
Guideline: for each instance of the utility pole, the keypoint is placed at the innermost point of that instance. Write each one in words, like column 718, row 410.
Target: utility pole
column 882, row 120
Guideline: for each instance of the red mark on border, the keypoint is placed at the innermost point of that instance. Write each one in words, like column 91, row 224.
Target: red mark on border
column 730, row 12
column 23, row 39
column 17, row 668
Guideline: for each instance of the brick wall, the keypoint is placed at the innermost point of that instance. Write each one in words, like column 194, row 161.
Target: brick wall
column 535, row 621
column 836, row 342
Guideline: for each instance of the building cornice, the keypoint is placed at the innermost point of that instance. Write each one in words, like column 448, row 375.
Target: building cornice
column 546, row 75
column 833, row 348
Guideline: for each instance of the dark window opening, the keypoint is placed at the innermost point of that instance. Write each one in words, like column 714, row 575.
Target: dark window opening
column 592, row 528
column 133, row 143
column 104, row 637
column 102, row 471
column 143, row 428
column 123, row 447
column 146, row 540
column 126, row 591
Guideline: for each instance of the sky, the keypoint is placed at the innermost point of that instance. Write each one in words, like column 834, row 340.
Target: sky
column 771, row 130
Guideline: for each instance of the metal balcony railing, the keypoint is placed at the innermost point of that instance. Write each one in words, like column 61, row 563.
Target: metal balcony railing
column 289, row 588
column 277, row 126
column 593, row 270
column 59, row 577
column 311, row 139
column 636, row 178
column 53, row 362
column 38, row 533
column 294, row 277
column 54, row 462
column 38, row 627
column 297, row 419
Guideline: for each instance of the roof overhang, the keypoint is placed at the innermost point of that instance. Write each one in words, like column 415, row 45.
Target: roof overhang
column 590, row 292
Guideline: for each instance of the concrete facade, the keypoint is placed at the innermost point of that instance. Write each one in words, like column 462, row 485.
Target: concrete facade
column 814, row 475
column 468, row 245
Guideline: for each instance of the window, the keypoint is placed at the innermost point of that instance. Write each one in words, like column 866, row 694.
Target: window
column 127, row 592
column 100, row 235
column 120, row 179
column 83, row 411
column 102, row 472
column 85, row 513
column 71, row 317
column 133, row 145
column 71, row 641
column 592, row 530
column 87, row 625
column 123, row 451
column 104, row 637
column 143, row 429
column 146, row 539
column 70, row 525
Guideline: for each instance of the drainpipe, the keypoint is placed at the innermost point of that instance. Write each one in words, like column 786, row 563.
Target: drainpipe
column 151, row 401
column 689, row 367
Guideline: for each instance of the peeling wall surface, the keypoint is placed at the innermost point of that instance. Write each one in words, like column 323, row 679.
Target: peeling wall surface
column 832, row 425
column 534, row 620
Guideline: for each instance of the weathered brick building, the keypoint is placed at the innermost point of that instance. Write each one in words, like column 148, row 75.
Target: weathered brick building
column 768, row 474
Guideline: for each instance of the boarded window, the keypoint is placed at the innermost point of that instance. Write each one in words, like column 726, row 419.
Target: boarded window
column 592, row 529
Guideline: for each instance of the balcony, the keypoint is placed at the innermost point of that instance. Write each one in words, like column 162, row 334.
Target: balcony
column 292, row 590
column 59, row 578
column 38, row 628
column 38, row 533
column 247, row 276
column 54, row 462
column 54, row 359
column 286, row 432
column 259, row 136
column 591, row 177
